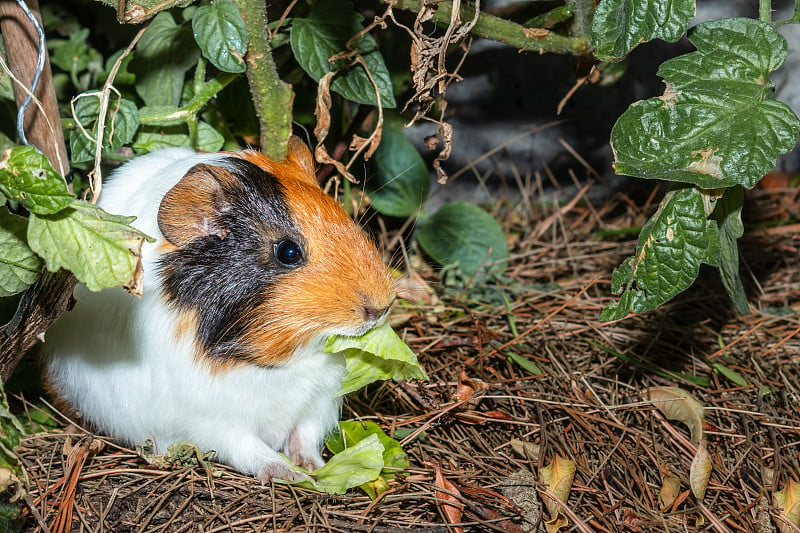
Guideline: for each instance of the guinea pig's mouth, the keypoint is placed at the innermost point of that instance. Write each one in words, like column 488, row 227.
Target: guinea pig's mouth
column 362, row 328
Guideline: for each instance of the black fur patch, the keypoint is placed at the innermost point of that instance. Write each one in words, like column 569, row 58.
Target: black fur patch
column 223, row 279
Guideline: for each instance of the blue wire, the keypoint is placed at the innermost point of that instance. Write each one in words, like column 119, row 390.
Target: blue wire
column 36, row 75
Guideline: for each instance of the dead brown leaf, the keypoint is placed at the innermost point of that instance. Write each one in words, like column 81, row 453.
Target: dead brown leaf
column 448, row 500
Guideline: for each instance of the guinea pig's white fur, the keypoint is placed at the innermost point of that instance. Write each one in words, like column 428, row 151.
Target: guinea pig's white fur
column 119, row 361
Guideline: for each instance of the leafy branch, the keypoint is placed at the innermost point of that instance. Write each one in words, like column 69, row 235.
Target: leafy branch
column 505, row 31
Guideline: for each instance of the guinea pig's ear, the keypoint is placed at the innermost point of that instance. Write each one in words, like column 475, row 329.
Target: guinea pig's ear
column 192, row 208
column 298, row 152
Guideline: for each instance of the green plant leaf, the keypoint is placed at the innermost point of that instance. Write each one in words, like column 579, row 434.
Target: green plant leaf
column 11, row 432
column 352, row 467
column 401, row 182
column 221, row 34
column 153, row 138
column 671, row 247
column 26, row 176
column 74, row 55
column 208, row 139
column 394, row 458
column 728, row 214
column 122, row 121
column 377, row 355
column 101, row 249
column 717, row 124
column 164, row 54
column 463, row 234
column 323, row 34
column 19, row 266
column 619, row 25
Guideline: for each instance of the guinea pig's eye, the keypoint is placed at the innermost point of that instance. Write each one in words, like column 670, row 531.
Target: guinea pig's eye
column 288, row 253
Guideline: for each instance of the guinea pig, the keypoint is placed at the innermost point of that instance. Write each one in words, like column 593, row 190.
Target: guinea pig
column 253, row 268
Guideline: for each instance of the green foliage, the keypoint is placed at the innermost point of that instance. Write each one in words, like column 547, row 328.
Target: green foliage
column 120, row 129
column 353, row 467
column 717, row 124
column 671, row 247
column 716, row 127
column 27, row 177
column 220, row 32
column 619, row 25
column 101, row 249
column 401, row 181
column 394, row 458
column 463, row 234
column 19, row 265
column 324, row 34
column 165, row 53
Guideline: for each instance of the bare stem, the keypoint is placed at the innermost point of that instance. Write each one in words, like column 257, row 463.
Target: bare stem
column 765, row 10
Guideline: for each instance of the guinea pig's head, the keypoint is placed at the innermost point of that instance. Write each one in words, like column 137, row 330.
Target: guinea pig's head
column 259, row 261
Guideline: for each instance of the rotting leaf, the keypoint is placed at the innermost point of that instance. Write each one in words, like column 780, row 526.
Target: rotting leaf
column 448, row 499
column 788, row 501
column 678, row 404
column 558, row 477
column 700, row 471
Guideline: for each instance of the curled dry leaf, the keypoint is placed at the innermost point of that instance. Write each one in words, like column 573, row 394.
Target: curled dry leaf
column 788, row 501
column 678, row 404
column 448, row 500
column 700, row 471
column 322, row 112
column 469, row 389
column 558, row 477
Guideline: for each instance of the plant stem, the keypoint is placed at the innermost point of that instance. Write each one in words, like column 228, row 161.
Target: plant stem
column 582, row 21
column 271, row 96
column 162, row 117
column 765, row 10
column 504, row 31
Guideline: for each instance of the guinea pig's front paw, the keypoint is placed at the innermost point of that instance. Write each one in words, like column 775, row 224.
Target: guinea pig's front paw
column 308, row 461
column 279, row 470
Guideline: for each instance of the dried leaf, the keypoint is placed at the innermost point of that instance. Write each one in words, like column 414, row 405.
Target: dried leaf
column 469, row 389
column 558, row 477
column 555, row 524
column 528, row 450
column 788, row 501
column 322, row 112
column 451, row 507
column 678, row 404
column 670, row 490
column 700, row 471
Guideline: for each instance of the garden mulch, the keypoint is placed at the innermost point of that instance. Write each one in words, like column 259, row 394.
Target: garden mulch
column 522, row 374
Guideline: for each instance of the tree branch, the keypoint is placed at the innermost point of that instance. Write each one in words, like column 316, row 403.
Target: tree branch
column 504, row 31
column 272, row 97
